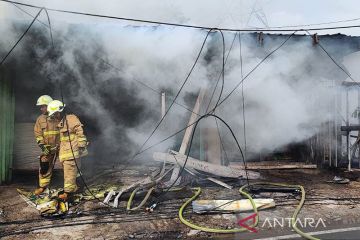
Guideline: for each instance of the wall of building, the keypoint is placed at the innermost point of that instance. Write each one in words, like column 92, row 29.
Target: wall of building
column 7, row 110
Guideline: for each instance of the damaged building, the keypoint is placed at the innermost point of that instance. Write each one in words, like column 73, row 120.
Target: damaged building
column 251, row 106
column 325, row 146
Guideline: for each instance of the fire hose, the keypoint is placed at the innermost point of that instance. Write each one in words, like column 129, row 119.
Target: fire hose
column 128, row 207
column 246, row 194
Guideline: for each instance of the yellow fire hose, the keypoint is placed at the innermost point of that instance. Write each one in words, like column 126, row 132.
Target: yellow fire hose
column 149, row 192
column 128, row 207
column 236, row 230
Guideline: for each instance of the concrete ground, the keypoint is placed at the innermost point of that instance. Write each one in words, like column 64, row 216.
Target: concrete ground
column 331, row 211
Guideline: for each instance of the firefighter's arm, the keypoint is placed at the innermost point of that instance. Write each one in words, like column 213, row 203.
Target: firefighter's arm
column 40, row 138
column 79, row 131
column 38, row 133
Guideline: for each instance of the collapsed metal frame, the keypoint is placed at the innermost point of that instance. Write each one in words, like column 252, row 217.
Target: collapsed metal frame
column 332, row 146
column 348, row 127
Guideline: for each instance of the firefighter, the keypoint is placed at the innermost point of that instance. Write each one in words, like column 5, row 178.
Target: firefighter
column 73, row 145
column 47, row 137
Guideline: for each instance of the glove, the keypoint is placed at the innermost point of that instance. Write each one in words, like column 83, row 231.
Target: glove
column 45, row 149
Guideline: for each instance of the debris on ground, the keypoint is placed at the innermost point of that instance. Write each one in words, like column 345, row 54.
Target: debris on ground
column 243, row 205
column 339, row 180
column 323, row 200
column 48, row 203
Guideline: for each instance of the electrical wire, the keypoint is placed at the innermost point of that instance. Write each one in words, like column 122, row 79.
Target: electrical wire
column 215, row 230
column 220, row 102
column 168, row 109
column 103, row 60
column 158, row 198
column 314, row 24
column 222, row 70
column 151, row 88
column 159, row 124
column 50, row 30
column 339, row 66
column 257, row 65
column 334, row 61
column 104, row 220
column 221, row 141
column 209, row 114
column 222, row 87
column 243, row 96
column 172, row 103
column 72, row 151
column 178, row 24
column 30, row 15
column 247, row 75
column 178, row 93
column 221, row 73
column 21, row 37
column 244, row 160
column 222, row 76
column 243, row 79
column 217, row 125
column 67, row 125
column 187, row 78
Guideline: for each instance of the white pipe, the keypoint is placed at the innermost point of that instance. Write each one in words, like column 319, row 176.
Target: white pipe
column 348, row 133
column 163, row 106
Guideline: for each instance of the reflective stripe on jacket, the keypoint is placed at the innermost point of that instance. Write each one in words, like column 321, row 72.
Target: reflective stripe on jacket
column 71, row 138
column 46, row 131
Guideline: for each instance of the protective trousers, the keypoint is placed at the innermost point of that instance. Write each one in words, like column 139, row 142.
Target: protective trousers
column 46, row 168
column 70, row 174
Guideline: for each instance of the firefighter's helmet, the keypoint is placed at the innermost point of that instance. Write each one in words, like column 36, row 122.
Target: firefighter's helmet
column 43, row 100
column 55, row 106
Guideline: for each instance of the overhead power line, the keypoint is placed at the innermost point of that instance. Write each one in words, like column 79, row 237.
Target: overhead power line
column 103, row 60
column 226, row 97
column 335, row 62
column 314, row 24
column 178, row 24
column 21, row 37
column 252, row 70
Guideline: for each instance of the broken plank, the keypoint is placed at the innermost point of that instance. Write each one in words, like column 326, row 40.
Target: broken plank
column 264, row 166
column 219, row 182
column 215, row 169
column 194, row 172
column 193, row 118
column 243, row 205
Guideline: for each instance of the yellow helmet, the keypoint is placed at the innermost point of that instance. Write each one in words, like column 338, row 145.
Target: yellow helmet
column 43, row 100
column 55, row 106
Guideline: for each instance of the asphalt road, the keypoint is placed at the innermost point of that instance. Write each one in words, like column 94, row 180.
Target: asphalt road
column 347, row 233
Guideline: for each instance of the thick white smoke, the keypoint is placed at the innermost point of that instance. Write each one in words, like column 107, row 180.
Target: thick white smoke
column 287, row 98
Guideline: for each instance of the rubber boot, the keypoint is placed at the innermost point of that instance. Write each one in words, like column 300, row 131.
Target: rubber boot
column 39, row 190
column 64, row 196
